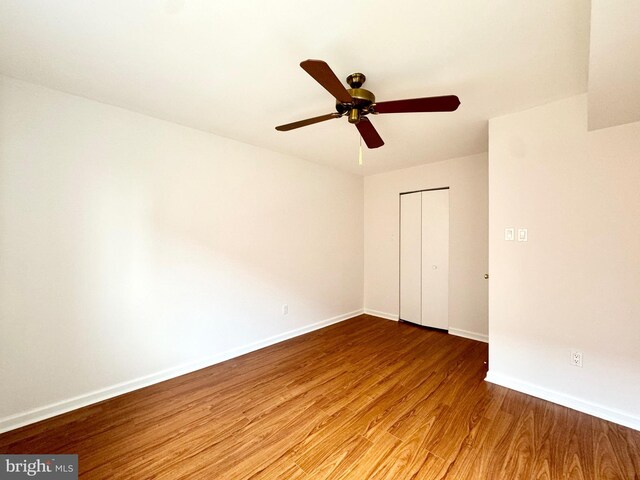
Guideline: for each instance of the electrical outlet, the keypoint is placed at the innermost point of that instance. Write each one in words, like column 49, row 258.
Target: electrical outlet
column 576, row 358
column 285, row 309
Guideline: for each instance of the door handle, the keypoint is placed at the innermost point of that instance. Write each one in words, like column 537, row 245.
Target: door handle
column 486, row 276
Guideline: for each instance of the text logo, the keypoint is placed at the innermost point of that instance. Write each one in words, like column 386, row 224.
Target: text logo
column 49, row 467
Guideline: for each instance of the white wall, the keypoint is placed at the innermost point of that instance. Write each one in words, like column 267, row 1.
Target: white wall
column 614, row 63
column 131, row 247
column 467, row 179
column 576, row 283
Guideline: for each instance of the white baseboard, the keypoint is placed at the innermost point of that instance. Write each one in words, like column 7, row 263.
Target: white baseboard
column 41, row 413
column 376, row 313
column 611, row 414
column 467, row 334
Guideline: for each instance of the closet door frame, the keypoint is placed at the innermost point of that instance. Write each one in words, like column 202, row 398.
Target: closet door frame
column 400, row 244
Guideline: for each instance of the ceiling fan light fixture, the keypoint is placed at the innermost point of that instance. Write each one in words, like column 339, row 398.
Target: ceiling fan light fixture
column 354, row 115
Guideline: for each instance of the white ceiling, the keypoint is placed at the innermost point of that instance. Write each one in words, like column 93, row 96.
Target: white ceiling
column 614, row 63
column 231, row 67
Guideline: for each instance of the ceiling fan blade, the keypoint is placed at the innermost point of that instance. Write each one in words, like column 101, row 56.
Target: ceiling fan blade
column 369, row 133
column 322, row 73
column 308, row 121
column 446, row 103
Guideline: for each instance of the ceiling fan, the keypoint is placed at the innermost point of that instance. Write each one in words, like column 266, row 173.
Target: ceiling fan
column 357, row 102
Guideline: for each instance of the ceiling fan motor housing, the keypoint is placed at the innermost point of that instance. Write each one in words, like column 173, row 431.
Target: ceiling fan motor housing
column 362, row 98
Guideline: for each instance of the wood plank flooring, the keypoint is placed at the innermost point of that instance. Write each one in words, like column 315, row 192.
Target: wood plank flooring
column 366, row 398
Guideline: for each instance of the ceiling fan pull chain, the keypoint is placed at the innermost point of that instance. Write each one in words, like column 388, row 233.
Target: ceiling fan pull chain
column 360, row 151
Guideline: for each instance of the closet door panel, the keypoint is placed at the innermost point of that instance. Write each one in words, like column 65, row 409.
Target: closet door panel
column 435, row 259
column 410, row 257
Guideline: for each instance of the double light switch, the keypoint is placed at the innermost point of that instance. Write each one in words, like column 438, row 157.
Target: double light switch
column 510, row 234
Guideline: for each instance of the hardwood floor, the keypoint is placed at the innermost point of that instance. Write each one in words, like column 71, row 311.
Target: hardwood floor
column 363, row 399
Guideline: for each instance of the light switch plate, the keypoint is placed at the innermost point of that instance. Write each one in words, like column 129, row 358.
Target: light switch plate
column 509, row 234
column 522, row 234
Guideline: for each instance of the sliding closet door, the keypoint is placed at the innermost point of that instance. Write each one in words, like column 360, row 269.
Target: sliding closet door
column 410, row 257
column 435, row 259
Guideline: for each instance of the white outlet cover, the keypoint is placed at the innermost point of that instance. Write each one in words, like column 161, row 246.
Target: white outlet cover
column 509, row 234
column 576, row 358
